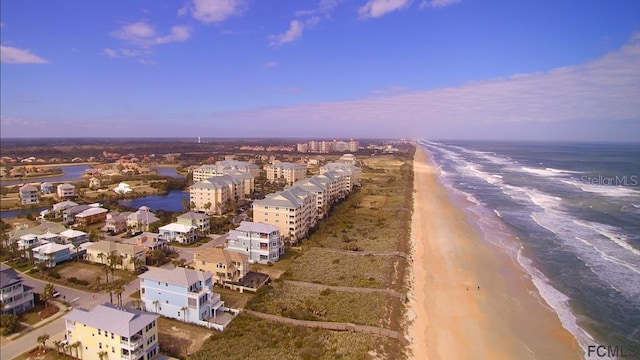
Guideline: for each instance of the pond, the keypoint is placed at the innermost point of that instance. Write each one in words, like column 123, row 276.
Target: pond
column 167, row 171
column 18, row 212
column 171, row 201
column 70, row 173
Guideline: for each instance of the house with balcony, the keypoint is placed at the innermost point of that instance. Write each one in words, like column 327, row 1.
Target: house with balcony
column 116, row 222
column 183, row 294
column 16, row 297
column 46, row 187
column 150, row 241
column 91, row 216
column 99, row 252
column 29, row 195
column 260, row 242
column 66, row 191
column 184, row 234
column 225, row 265
column 51, row 254
column 58, row 208
column 120, row 332
column 71, row 236
column 140, row 220
column 200, row 220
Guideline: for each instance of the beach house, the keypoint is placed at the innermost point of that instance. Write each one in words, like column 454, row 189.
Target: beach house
column 29, row 195
column 260, row 242
column 16, row 297
column 111, row 332
column 224, row 264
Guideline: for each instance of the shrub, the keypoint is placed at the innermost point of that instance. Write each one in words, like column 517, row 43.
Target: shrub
column 73, row 280
column 8, row 323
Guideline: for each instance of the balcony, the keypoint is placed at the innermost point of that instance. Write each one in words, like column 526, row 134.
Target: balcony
column 135, row 342
column 131, row 354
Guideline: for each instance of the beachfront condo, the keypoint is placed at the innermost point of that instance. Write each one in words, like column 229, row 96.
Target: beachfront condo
column 260, row 242
column 290, row 172
column 292, row 210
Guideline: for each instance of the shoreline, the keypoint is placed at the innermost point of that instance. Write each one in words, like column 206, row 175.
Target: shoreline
column 468, row 297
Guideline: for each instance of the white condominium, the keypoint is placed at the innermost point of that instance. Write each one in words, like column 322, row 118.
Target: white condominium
column 293, row 211
column 213, row 194
column 352, row 173
column 291, row 172
column 321, row 191
column 261, row 242
column 224, row 168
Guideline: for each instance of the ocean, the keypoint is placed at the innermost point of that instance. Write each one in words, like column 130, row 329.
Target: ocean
column 574, row 212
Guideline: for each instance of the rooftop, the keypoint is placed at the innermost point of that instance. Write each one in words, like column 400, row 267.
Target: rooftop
column 108, row 317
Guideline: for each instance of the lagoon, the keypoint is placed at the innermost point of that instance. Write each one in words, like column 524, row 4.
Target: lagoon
column 171, row 201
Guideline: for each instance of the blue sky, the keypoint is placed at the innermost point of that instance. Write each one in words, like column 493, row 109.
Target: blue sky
column 440, row 69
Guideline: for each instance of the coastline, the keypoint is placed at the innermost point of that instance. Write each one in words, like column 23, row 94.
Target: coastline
column 468, row 297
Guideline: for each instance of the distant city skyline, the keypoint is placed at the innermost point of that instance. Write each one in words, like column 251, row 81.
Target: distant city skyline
column 437, row 69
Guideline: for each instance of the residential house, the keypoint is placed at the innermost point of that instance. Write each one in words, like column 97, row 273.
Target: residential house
column 292, row 210
column 225, row 265
column 51, row 254
column 69, row 214
column 16, row 297
column 29, row 241
column 46, row 187
column 122, row 188
column 150, row 241
column 140, row 220
column 43, row 228
column 66, row 191
column 200, row 220
column 180, row 293
column 116, row 222
column 91, row 216
column 29, row 195
column 184, row 234
column 71, row 236
column 260, row 242
column 58, row 208
column 290, row 172
column 127, row 252
column 119, row 332
column 94, row 183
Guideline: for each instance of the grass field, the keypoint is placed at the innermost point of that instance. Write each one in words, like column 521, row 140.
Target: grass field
column 248, row 337
column 181, row 339
column 300, row 302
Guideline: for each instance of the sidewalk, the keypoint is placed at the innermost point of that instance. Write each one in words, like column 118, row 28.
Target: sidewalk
column 28, row 328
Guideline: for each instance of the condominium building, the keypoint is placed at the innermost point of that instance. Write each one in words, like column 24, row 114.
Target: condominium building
column 293, row 211
column 29, row 195
column 213, row 194
column 354, row 145
column 321, row 191
column 111, row 332
column 225, row 167
column 350, row 172
column 243, row 166
column 262, row 243
column 180, row 293
column 290, row 172
column 16, row 297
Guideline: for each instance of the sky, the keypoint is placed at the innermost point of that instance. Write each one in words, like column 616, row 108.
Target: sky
column 437, row 69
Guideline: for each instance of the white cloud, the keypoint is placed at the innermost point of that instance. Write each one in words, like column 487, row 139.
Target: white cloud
column 178, row 34
column 378, row 8
column 212, row 11
column 143, row 37
column 271, row 64
column 12, row 55
column 296, row 27
column 437, row 3
column 598, row 91
column 110, row 52
column 139, row 33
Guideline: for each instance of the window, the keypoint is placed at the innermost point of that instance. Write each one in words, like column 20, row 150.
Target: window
column 100, row 345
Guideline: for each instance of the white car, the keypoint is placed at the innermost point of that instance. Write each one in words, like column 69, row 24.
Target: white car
column 56, row 294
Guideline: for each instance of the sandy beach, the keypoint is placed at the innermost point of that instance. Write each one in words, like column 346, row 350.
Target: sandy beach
column 468, row 299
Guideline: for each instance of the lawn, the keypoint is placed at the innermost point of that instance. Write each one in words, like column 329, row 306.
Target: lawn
column 180, row 339
column 38, row 313
column 233, row 299
column 337, row 269
column 93, row 274
column 279, row 267
column 37, row 354
column 248, row 337
column 305, row 303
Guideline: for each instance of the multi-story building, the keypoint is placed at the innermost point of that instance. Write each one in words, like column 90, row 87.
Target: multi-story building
column 335, row 184
column 303, row 148
column 292, row 210
column 116, row 222
column 351, row 173
column 184, row 234
column 66, row 191
column 224, row 265
column 321, row 191
column 99, row 252
column 354, row 145
column 212, row 195
column 71, row 236
column 29, row 195
column 91, row 216
column 201, row 221
column 348, row 159
column 290, row 172
column 51, row 254
column 46, row 187
column 262, row 243
column 340, row 146
column 225, row 167
column 180, row 293
column 16, row 297
column 243, row 166
column 140, row 220
column 111, row 332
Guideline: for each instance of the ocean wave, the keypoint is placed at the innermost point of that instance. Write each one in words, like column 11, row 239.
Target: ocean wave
column 614, row 191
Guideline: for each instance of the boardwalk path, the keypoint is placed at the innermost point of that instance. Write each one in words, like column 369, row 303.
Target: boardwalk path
column 337, row 326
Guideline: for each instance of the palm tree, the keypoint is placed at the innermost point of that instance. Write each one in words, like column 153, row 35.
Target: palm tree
column 103, row 355
column 47, row 293
column 57, row 343
column 110, row 288
column 102, row 256
column 119, row 289
column 42, row 339
column 65, row 347
column 76, row 346
column 184, row 313
column 106, row 273
column 155, row 303
column 76, row 247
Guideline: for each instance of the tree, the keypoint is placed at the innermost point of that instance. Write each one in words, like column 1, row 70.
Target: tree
column 9, row 323
column 76, row 247
column 102, row 354
column 106, row 273
column 42, row 339
column 119, row 289
column 155, row 303
column 57, row 343
column 47, row 293
column 102, row 256
column 76, row 346
column 207, row 206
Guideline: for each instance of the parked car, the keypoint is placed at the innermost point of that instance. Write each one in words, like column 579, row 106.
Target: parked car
column 56, row 294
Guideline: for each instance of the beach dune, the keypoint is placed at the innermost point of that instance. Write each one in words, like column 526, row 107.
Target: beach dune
column 468, row 298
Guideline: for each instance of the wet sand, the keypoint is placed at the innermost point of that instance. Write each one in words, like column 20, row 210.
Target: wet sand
column 468, row 298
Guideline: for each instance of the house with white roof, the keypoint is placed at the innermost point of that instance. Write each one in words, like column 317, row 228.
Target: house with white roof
column 182, row 294
column 29, row 195
column 71, row 236
column 51, row 254
column 200, row 220
column 122, row 188
column 66, row 191
column 184, row 234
